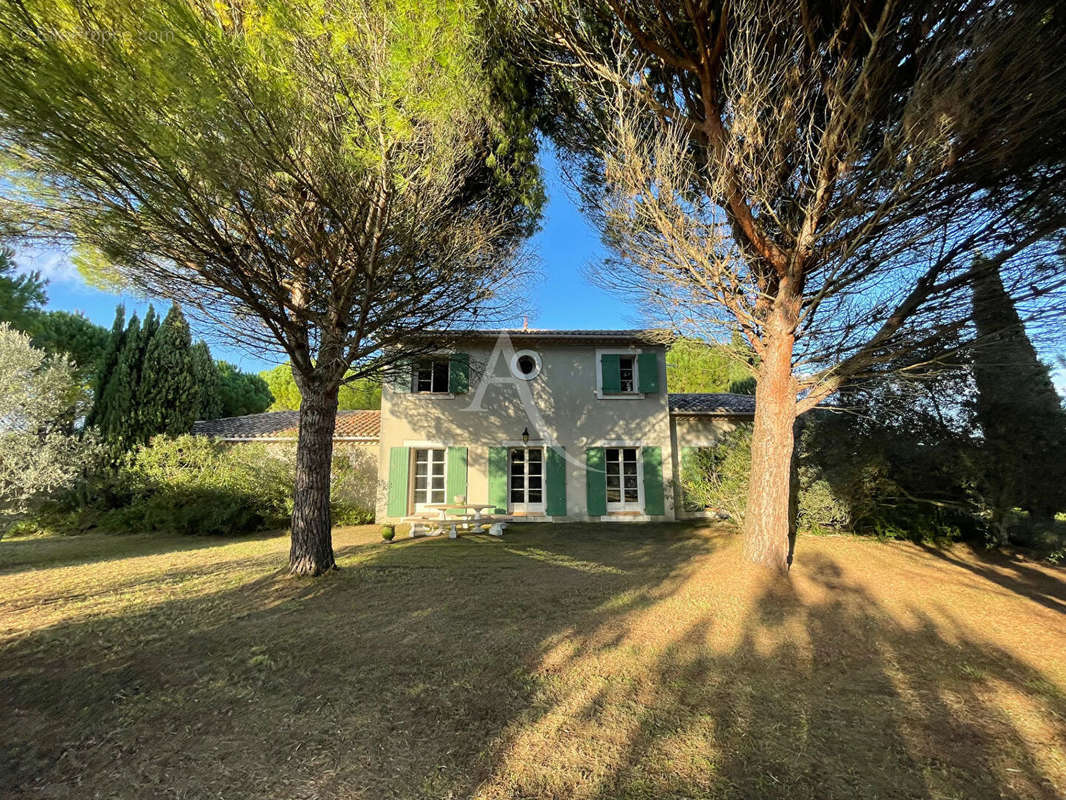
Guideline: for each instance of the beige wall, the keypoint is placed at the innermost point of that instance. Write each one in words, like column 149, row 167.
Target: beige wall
column 563, row 395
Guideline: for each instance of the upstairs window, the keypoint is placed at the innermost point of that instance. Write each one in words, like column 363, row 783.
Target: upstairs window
column 431, row 375
column 625, row 374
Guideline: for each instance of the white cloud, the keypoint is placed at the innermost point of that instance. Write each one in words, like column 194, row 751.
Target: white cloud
column 54, row 265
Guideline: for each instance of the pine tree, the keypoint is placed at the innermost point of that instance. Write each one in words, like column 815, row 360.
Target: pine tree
column 169, row 397
column 1020, row 414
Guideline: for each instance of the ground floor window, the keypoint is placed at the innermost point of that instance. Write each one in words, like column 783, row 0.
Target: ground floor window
column 429, row 477
column 623, row 479
column 526, row 480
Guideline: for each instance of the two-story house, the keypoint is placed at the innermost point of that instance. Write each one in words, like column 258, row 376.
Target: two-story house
column 543, row 424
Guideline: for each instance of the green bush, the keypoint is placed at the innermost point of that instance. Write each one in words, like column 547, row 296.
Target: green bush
column 195, row 485
column 717, row 477
column 190, row 484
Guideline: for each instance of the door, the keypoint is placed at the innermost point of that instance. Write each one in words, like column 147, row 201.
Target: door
column 527, row 480
column 429, row 478
column 623, row 479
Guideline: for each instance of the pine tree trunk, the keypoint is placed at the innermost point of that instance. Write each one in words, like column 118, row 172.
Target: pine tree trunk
column 311, row 552
column 770, row 517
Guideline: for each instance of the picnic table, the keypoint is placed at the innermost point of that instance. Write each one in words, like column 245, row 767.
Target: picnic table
column 455, row 515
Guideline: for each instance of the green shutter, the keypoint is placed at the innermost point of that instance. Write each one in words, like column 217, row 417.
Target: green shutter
column 400, row 377
column 595, row 482
column 399, row 465
column 459, row 373
column 654, row 503
column 498, row 478
column 556, row 483
column 455, row 480
column 648, row 373
column 611, row 369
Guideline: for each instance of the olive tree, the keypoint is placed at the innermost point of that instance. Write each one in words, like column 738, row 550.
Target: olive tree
column 40, row 396
column 320, row 177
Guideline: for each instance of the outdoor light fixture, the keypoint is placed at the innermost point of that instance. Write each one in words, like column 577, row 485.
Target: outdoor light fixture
column 525, row 435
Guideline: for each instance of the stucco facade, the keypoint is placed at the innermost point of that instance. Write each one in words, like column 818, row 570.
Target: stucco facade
column 591, row 428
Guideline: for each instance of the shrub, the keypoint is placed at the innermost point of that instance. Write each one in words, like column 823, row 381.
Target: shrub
column 388, row 532
column 195, row 485
column 191, row 484
column 717, row 477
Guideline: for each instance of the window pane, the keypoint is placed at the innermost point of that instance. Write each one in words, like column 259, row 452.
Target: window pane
column 534, row 481
column 613, row 495
column 632, row 496
column 535, row 456
column 420, row 482
column 438, row 483
column 630, row 454
column 440, row 376
column 629, row 469
column 517, row 455
column 612, row 467
column 613, row 482
column 631, row 482
column 535, row 467
column 421, row 456
column 534, row 496
column 438, row 495
column 517, row 481
column 516, row 496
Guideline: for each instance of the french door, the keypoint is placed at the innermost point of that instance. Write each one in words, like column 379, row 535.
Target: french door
column 527, row 480
column 429, row 478
column 623, row 479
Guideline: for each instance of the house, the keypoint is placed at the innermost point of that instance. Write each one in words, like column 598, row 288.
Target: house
column 554, row 425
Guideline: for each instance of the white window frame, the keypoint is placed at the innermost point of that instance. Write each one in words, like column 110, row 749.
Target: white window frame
column 620, row 351
column 529, row 508
column 623, row 506
column 419, row 507
column 517, row 373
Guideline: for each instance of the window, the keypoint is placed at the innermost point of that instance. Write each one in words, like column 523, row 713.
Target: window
column 429, row 478
column 526, row 487
column 431, row 375
column 525, row 364
column 625, row 374
column 623, row 478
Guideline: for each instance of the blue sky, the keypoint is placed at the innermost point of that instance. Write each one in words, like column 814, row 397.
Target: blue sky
column 560, row 296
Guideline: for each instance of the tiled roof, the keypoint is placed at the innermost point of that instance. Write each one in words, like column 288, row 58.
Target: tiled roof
column 283, row 425
column 724, row 404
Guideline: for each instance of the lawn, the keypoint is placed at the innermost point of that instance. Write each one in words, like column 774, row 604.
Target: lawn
column 561, row 661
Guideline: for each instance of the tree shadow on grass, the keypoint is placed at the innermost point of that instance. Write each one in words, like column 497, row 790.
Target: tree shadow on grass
column 1010, row 572
column 577, row 661
column 395, row 677
column 824, row 695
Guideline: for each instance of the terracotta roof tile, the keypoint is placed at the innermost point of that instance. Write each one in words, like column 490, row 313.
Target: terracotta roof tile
column 284, row 425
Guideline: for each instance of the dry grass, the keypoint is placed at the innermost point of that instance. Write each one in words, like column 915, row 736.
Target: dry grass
column 567, row 661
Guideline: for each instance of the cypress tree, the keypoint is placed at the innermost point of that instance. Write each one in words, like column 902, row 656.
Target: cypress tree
column 1020, row 414
column 108, row 361
column 115, row 404
column 169, row 397
column 207, row 377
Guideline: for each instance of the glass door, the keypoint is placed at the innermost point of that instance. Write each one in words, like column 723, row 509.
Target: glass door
column 623, row 479
column 429, row 478
column 527, row 480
